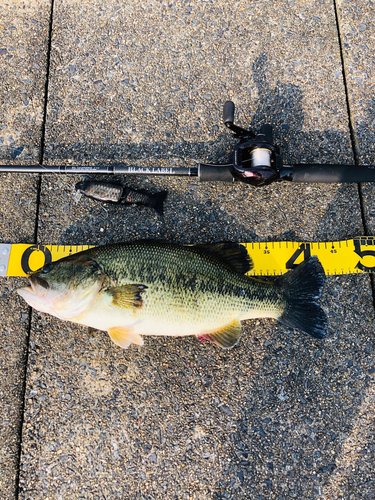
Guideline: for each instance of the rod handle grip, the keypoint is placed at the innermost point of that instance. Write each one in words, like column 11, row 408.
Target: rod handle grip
column 312, row 173
column 214, row 173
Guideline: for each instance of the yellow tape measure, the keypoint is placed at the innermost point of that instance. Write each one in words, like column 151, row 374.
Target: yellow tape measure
column 270, row 258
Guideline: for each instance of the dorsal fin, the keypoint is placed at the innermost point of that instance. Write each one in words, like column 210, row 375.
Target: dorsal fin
column 233, row 254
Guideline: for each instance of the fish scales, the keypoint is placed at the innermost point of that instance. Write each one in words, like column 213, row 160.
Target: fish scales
column 191, row 278
column 155, row 288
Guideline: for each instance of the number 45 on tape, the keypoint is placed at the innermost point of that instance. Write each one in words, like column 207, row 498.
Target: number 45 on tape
column 270, row 258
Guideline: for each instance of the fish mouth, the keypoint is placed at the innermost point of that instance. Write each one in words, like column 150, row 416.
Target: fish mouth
column 36, row 294
column 35, row 283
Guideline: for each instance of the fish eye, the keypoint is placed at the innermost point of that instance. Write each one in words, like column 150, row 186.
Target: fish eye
column 47, row 268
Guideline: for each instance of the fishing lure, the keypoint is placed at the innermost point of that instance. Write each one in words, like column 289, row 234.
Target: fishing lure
column 116, row 193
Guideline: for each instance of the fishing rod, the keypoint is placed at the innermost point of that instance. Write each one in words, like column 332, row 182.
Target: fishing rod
column 255, row 160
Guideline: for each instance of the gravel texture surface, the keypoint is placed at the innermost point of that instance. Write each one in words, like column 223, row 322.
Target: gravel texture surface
column 23, row 57
column 17, row 223
column 280, row 415
column 358, row 38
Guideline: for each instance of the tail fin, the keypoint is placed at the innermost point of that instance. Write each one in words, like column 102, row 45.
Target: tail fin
column 158, row 200
column 300, row 288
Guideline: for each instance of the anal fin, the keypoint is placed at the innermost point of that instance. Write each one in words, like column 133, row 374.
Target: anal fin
column 225, row 337
column 123, row 336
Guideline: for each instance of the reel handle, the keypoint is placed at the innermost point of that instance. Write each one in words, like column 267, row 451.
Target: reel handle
column 228, row 118
column 228, row 112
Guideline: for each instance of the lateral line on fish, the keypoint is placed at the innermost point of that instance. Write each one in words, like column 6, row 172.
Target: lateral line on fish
column 352, row 256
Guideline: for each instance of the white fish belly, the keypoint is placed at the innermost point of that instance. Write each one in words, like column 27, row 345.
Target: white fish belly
column 160, row 317
column 178, row 314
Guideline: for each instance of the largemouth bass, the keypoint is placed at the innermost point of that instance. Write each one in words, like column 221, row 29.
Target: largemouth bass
column 155, row 288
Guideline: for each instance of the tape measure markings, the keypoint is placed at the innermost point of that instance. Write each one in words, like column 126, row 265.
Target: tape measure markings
column 270, row 258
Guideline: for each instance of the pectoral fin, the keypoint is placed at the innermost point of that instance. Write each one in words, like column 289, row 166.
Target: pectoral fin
column 226, row 337
column 127, row 296
column 123, row 336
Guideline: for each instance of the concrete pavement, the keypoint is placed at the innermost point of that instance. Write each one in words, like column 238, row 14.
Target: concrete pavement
column 280, row 415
